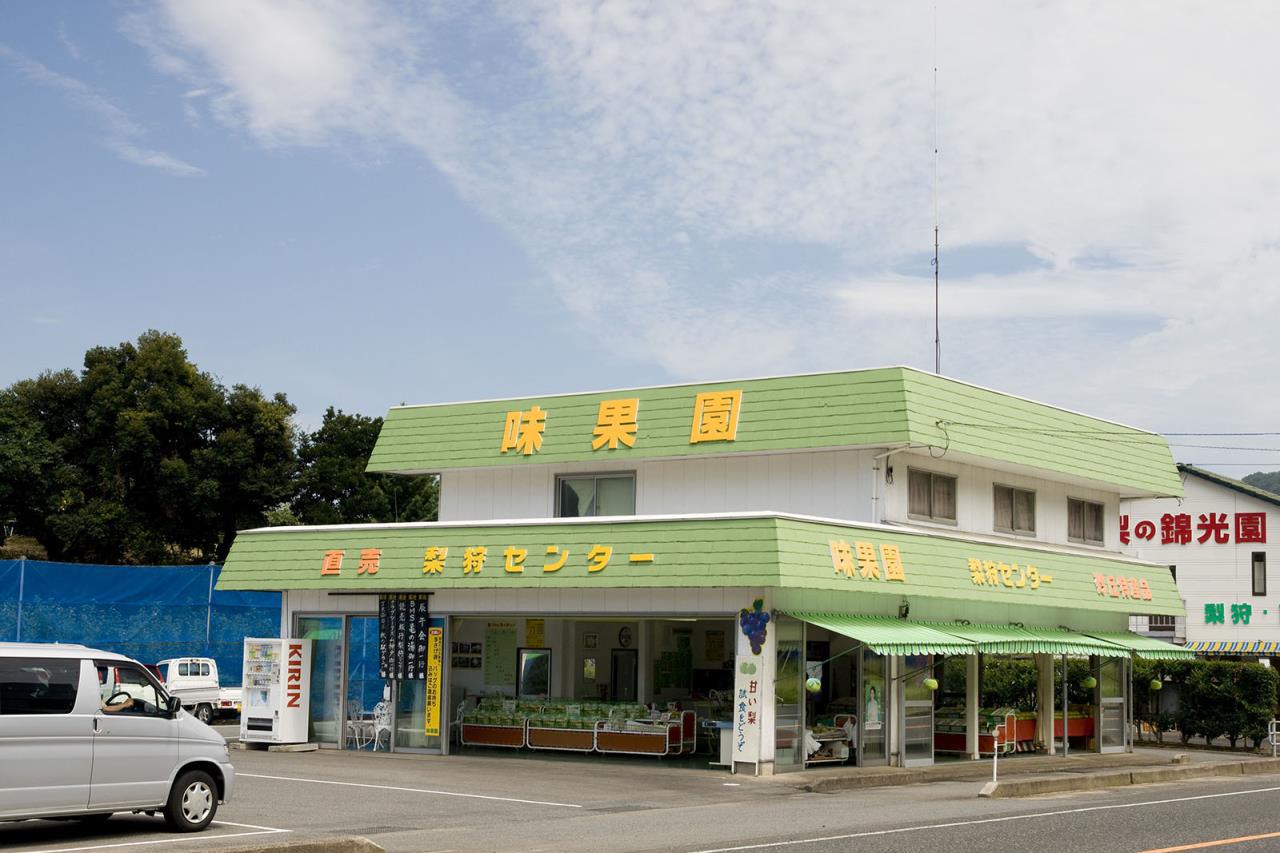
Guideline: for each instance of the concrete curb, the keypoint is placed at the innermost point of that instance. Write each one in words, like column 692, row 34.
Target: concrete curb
column 967, row 772
column 337, row 844
column 1065, row 782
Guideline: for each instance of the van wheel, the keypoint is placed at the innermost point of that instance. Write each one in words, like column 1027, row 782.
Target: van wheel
column 204, row 713
column 193, row 801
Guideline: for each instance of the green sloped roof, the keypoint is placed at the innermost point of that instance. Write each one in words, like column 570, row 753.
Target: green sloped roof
column 887, row 636
column 1144, row 647
column 1231, row 483
column 883, row 407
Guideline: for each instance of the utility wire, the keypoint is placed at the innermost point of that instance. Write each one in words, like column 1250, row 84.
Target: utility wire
column 1130, row 433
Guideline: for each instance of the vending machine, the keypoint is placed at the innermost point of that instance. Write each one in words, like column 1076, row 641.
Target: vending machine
column 277, row 690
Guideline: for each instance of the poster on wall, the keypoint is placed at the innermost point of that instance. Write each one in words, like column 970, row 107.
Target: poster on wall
column 535, row 633
column 713, row 646
column 402, row 635
column 500, row 657
column 873, row 704
column 435, row 674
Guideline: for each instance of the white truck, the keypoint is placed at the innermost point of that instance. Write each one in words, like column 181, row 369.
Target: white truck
column 195, row 682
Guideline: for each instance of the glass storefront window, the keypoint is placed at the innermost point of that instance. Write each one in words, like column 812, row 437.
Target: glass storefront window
column 788, row 694
column 368, row 700
column 325, row 634
column 411, row 716
column 874, row 712
column 917, row 734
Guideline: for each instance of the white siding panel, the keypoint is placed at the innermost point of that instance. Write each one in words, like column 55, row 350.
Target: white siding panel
column 1215, row 573
column 975, row 500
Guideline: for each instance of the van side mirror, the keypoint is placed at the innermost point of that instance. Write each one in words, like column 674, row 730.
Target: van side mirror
column 174, row 706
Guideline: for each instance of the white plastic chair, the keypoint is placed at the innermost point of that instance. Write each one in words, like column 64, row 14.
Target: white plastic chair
column 381, row 723
column 359, row 730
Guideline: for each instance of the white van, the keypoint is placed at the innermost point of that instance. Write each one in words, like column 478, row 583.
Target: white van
column 85, row 733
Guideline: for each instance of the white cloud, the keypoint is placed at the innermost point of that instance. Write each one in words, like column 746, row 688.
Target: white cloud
column 73, row 49
column 675, row 169
column 122, row 132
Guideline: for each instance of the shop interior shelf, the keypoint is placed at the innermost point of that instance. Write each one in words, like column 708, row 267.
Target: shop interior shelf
column 834, row 750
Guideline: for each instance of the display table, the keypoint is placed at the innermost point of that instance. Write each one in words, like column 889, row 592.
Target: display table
column 724, row 730
column 1023, row 734
column 571, row 740
column 640, row 737
column 484, row 734
column 579, row 727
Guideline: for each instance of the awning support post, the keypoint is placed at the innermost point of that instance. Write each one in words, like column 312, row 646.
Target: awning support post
column 1044, row 702
column 1066, row 749
column 973, row 666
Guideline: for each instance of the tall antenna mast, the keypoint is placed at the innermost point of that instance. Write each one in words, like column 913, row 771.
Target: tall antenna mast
column 937, row 338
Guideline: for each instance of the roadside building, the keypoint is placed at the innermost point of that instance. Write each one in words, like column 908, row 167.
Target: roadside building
column 806, row 568
column 1214, row 541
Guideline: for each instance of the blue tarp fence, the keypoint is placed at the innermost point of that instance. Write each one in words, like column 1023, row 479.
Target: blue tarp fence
column 146, row 612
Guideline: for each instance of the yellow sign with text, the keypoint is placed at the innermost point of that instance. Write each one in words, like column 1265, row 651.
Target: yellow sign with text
column 435, row 665
column 474, row 559
column 861, row 561
column 993, row 574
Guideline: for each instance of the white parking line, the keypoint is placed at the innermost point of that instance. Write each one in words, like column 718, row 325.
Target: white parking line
column 258, row 830
column 980, row 821
column 409, row 790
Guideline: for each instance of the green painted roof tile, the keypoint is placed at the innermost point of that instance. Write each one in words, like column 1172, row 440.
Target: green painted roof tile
column 866, row 408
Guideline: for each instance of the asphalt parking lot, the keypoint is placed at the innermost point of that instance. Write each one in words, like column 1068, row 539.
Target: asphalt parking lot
column 540, row 803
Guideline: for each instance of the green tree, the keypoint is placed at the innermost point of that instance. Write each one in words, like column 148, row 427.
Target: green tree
column 141, row 457
column 1268, row 480
column 333, row 487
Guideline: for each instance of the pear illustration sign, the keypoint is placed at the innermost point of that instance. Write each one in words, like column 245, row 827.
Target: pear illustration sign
column 751, row 668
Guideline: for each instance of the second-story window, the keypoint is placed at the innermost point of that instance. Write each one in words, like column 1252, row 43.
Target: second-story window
column 595, row 494
column 1084, row 521
column 1259, row 572
column 931, row 496
column 1015, row 510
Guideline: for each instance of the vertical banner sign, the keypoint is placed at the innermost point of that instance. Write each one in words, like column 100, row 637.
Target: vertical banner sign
column 385, row 615
column 402, row 636
column 435, row 666
column 535, row 633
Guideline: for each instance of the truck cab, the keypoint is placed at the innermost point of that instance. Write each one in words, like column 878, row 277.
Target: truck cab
column 194, row 681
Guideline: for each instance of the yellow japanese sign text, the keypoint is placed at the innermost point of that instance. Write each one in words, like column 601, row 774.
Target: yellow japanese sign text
column 715, row 416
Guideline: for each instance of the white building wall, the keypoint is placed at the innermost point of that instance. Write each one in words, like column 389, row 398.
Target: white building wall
column 1212, row 572
column 975, row 500
column 834, row 484
column 831, row 484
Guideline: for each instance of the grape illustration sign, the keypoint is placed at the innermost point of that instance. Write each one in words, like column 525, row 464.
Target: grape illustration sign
column 755, row 624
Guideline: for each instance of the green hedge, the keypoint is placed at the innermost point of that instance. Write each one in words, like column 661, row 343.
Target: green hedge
column 1227, row 699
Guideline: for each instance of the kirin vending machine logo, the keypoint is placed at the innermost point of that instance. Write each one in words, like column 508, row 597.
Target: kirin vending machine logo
column 293, row 688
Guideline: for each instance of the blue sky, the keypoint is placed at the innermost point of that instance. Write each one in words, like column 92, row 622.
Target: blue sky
column 361, row 203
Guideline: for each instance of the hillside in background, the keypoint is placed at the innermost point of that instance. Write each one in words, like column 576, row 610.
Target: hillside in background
column 1269, row 480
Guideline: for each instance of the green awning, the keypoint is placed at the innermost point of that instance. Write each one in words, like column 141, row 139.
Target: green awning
column 888, row 636
column 1146, row 647
column 1017, row 640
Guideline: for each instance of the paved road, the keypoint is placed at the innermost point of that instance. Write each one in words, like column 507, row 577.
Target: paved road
column 421, row 803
